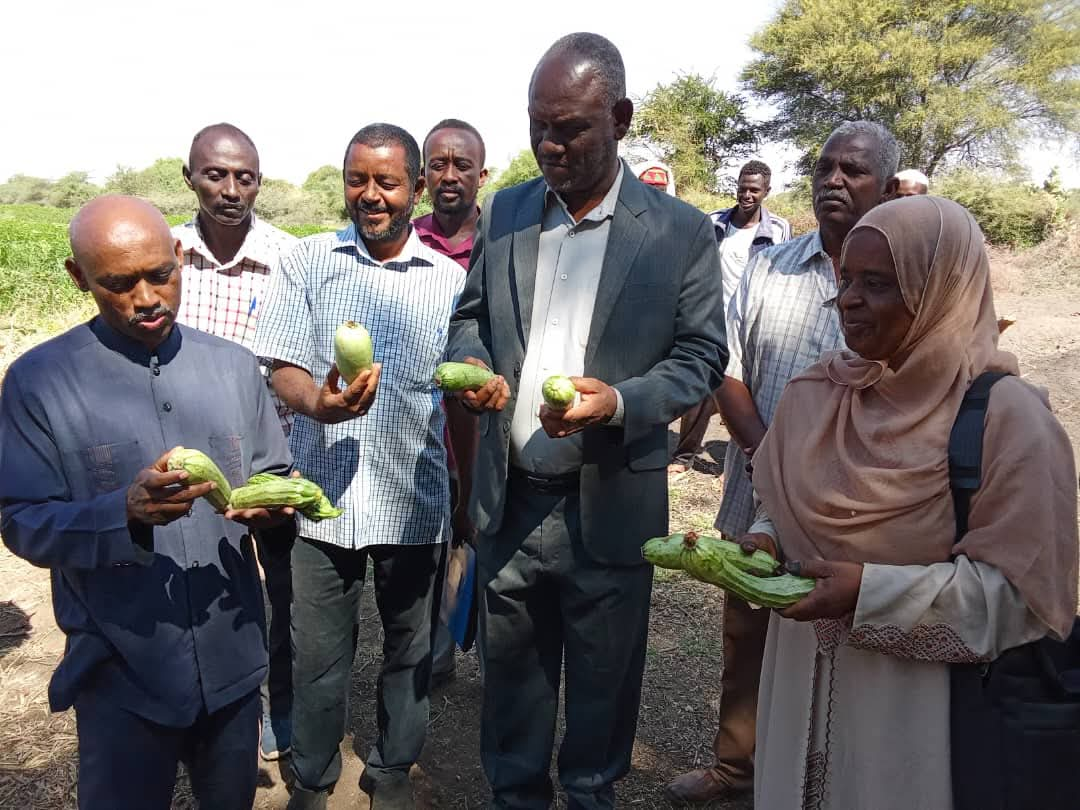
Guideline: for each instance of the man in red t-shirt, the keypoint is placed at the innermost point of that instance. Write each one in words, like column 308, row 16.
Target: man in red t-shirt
column 454, row 173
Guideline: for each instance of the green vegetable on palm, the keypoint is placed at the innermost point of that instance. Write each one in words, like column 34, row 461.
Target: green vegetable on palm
column 274, row 491
column 461, row 377
column 201, row 469
column 353, row 350
column 751, row 577
column 559, row 392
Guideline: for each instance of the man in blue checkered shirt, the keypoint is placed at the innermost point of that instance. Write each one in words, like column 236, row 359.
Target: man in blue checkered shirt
column 381, row 459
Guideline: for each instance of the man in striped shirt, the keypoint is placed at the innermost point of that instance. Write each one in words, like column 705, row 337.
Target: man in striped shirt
column 381, row 459
column 229, row 256
column 781, row 319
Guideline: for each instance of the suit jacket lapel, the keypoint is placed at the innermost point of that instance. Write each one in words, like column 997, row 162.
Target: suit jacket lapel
column 624, row 241
column 526, row 250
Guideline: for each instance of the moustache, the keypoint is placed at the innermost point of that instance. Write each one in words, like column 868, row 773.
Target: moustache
column 450, row 190
column 834, row 196
column 372, row 209
column 144, row 317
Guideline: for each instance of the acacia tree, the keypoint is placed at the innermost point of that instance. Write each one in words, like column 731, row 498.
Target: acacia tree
column 957, row 82
column 521, row 168
column 694, row 128
column 72, row 190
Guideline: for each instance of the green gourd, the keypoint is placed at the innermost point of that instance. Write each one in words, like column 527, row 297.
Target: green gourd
column 201, row 469
column 353, row 350
column 461, row 377
column 720, row 562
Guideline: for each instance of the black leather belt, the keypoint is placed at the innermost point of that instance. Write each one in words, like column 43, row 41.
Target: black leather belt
column 564, row 484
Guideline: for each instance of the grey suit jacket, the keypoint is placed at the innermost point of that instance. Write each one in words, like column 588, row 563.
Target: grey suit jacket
column 657, row 335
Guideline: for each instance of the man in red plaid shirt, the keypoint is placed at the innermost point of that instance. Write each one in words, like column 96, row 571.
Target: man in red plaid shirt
column 229, row 255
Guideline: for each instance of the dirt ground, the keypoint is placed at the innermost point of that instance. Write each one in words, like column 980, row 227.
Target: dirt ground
column 682, row 678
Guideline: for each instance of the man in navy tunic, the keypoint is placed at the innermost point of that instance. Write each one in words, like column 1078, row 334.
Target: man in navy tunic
column 157, row 593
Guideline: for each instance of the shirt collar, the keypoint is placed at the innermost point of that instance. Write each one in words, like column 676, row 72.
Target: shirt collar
column 410, row 255
column 254, row 247
column 134, row 350
column 722, row 218
column 813, row 248
column 428, row 226
column 605, row 209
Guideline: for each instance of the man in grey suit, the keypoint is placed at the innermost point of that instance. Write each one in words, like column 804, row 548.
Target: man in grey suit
column 590, row 273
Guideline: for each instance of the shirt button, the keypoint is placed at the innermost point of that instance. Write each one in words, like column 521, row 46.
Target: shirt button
column 572, row 234
column 157, row 371
column 195, row 564
column 563, row 277
column 167, row 407
column 554, row 321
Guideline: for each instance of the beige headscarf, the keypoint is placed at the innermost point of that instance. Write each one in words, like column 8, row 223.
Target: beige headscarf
column 855, row 464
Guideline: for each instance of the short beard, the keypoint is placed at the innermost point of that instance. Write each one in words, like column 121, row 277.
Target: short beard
column 598, row 166
column 397, row 225
column 454, row 208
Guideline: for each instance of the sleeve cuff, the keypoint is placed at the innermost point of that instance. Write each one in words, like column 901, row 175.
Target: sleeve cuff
column 125, row 542
column 616, row 419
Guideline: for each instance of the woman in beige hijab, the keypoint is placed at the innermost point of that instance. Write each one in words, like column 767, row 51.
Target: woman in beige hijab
column 853, row 481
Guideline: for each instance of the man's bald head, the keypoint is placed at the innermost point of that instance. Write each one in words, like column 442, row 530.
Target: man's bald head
column 125, row 256
column 115, row 221
column 208, row 137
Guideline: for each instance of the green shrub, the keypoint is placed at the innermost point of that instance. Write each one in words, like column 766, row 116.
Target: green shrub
column 33, row 282
column 705, row 201
column 796, row 207
column 300, row 231
column 36, row 213
column 1009, row 212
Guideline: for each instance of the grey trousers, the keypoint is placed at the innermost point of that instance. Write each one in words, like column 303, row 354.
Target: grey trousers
column 274, row 547
column 326, row 597
column 543, row 599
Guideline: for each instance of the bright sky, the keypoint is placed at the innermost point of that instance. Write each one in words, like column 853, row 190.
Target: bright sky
column 94, row 85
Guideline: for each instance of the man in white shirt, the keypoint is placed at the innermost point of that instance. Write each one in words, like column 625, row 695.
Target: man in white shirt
column 741, row 231
column 229, row 256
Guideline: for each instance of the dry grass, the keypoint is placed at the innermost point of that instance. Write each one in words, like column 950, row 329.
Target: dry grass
column 17, row 335
column 37, row 748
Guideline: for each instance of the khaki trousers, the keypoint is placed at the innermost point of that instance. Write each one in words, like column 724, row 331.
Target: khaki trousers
column 744, row 646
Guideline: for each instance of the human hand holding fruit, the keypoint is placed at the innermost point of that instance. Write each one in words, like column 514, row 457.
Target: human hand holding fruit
column 560, row 418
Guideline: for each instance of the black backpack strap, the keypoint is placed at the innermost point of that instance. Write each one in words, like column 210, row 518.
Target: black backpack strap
column 965, row 446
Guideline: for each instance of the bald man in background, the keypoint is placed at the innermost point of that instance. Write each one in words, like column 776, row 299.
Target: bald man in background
column 157, row 593
column 907, row 183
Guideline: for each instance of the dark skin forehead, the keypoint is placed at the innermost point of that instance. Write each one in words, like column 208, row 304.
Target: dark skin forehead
column 753, row 180
column 110, row 226
column 858, row 148
column 223, row 147
column 460, row 140
column 387, row 161
column 565, row 77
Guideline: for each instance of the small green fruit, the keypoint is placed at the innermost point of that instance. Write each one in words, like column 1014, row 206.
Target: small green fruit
column 353, row 351
column 558, row 392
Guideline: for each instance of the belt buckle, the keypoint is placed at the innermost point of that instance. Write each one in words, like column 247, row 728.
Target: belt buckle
column 542, row 485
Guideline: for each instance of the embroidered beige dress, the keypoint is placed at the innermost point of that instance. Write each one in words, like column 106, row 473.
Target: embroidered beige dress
column 858, row 719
